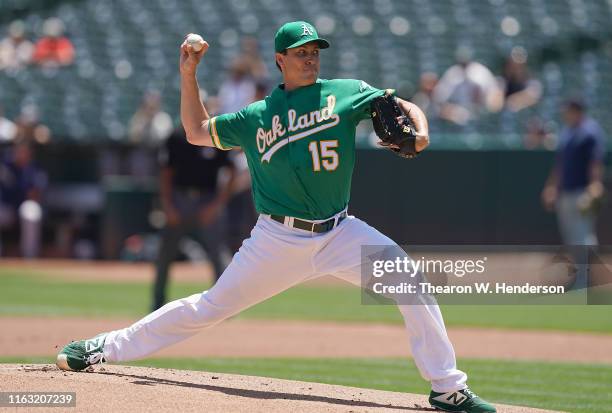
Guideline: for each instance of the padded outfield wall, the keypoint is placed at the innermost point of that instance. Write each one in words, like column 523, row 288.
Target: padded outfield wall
column 459, row 197
column 444, row 196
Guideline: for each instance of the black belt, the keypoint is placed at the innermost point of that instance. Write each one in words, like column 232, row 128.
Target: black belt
column 311, row 226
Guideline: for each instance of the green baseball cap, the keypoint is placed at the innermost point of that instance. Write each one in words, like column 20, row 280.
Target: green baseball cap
column 294, row 34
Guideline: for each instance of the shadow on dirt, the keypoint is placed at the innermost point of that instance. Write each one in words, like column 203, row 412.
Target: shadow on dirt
column 265, row 395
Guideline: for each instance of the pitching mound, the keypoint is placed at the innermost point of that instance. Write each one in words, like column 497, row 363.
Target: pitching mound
column 137, row 389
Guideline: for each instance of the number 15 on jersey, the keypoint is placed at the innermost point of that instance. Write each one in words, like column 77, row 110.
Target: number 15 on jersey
column 324, row 154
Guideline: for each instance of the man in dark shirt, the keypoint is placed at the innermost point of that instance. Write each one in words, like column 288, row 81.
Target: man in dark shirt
column 192, row 201
column 21, row 187
column 575, row 182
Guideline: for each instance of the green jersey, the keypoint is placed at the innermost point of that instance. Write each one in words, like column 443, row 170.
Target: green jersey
column 300, row 145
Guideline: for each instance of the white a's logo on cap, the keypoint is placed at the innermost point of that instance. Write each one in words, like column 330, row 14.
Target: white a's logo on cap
column 307, row 30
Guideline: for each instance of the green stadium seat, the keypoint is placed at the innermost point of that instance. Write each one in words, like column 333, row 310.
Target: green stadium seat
column 126, row 47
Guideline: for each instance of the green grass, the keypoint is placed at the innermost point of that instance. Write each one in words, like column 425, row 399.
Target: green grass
column 576, row 388
column 28, row 294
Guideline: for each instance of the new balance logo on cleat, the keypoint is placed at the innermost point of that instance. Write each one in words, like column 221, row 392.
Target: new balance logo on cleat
column 94, row 344
column 463, row 400
column 454, row 399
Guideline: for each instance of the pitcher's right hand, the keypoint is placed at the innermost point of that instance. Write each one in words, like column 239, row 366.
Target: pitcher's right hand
column 189, row 58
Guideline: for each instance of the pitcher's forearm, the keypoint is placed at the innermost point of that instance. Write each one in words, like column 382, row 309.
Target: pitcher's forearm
column 193, row 113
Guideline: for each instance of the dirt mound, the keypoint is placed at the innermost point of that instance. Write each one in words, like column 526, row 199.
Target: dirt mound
column 137, row 389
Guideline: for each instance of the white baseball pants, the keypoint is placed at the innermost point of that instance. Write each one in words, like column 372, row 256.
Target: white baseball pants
column 275, row 258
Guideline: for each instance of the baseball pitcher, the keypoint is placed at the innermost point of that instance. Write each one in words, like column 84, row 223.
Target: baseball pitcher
column 300, row 147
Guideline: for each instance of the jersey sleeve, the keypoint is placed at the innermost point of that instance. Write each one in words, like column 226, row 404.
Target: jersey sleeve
column 228, row 130
column 363, row 95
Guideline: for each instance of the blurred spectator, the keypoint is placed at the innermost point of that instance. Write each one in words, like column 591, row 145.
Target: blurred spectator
column 539, row 135
column 29, row 128
column 423, row 98
column 520, row 89
column 574, row 187
column 238, row 90
column 53, row 49
column 257, row 67
column 261, row 90
column 21, row 186
column 467, row 89
column 213, row 104
column 8, row 130
column 15, row 50
column 150, row 125
column 148, row 129
column 192, row 202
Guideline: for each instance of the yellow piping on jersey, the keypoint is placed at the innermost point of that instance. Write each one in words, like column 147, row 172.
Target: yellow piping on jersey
column 215, row 136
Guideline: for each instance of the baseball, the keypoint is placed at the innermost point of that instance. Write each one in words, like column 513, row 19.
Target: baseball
column 195, row 41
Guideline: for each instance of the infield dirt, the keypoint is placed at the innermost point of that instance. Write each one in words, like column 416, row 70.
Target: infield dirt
column 137, row 389
column 40, row 336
